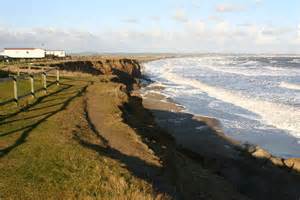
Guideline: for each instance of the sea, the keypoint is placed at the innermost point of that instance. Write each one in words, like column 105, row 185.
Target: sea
column 255, row 97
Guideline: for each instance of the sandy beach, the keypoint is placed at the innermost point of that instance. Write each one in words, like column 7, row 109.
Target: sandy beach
column 190, row 131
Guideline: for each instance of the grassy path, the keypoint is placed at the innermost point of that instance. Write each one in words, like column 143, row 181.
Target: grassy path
column 40, row 157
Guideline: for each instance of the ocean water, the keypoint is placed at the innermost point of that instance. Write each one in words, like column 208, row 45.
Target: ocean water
column 256, row 98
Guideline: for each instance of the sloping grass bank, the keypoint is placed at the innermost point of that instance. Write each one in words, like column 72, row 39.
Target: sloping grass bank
column 41, row 159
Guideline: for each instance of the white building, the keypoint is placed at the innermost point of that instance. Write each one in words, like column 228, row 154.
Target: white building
column 23, row 53
column 31, row 53
column 56, row 53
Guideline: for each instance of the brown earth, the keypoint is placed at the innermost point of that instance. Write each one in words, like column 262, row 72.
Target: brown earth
column 131, row 135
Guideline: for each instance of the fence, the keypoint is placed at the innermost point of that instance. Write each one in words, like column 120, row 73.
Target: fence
column 32, row 77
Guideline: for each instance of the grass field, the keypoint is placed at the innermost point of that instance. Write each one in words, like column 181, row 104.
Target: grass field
column 40, row 159
column 24, row 88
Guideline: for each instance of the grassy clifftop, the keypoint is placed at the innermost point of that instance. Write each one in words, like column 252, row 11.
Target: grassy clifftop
column 87, row 139
column 40, row 157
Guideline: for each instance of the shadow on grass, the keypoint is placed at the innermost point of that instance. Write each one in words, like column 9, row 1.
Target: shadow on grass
column 3, row 74
column 38, row 101
column 135, row 165
column 152, row 174
column 28, row 129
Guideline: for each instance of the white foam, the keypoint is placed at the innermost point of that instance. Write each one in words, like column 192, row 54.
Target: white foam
column 291, row 86
column 255, row 71
column 296, row 61
column 156, row 85
column 250, row 63
column 244, row 67
column 280, row 116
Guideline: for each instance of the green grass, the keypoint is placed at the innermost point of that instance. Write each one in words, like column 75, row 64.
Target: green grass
column 3, row 74
column 2, row 64
column 6, row 90
column 40, row 159
column 24, row 88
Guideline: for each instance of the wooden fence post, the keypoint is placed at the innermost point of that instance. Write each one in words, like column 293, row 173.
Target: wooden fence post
column 32, row 85
column 15, row 89
column 57, row 76
column 44, row 79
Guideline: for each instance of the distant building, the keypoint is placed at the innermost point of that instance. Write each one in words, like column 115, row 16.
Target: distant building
column 31, row 53
column 56, row 53
column 24, row 53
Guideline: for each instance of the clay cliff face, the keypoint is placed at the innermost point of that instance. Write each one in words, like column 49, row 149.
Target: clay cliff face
column 125, row 70
column 104, row 66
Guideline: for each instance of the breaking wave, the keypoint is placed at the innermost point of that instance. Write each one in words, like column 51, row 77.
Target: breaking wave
column 257, row 99
column 280, row 116
column 291, row 86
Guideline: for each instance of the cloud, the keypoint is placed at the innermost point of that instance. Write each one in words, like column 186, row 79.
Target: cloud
column 196, row 3
column 226, row 7
column 197, row 27
column 155, row 18
column 131, row 20
column 215, row 18
column 180, row 16
column 276, row 31
column 50, row 38
column 245, row 25
column 257, row 2
column 263, row 39
column 298, row 35
column 223, row 28
column 193, row 36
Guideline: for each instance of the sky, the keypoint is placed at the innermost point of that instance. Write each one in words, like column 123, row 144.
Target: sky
column 139, row 26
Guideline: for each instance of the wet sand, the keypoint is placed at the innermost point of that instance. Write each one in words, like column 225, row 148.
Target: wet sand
column 189, row 131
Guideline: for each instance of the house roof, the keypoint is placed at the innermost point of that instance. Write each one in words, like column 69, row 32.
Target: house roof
column 20, row 48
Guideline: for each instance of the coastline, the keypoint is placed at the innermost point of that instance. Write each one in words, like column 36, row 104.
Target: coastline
column 203, row 138
column 250, row 109
column 190, row 130
column 153, row 92
column 234, row 169
column 156, row 101
column 150, row 142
